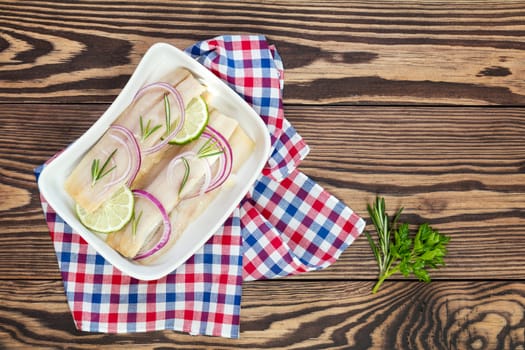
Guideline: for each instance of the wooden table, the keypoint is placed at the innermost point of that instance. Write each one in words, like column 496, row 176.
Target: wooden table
column 421, row 102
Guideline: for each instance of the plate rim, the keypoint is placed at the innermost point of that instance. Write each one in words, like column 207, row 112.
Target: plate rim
column 144, row 272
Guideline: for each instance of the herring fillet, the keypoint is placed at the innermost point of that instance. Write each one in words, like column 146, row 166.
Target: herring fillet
column 129, row 243
column 189, row 210
column 79, row 184
column 189, row 89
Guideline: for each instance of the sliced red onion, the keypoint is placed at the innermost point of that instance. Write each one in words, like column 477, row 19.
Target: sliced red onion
column 180, row 102
column 133, row 151
column 207, row 178
column 226, row 158
column 165, row 220
column 189, row 155
column 210, row 183
column 173, row 164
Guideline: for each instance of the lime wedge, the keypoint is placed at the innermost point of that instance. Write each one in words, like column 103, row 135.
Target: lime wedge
column 194, row 123
column 112, row 215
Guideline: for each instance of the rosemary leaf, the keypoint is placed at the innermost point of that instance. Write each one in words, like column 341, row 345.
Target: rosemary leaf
column 167, row 112
column 186, row 174
column 135, row 222
column 98, row 172
column 209, row 148
column 147, row 130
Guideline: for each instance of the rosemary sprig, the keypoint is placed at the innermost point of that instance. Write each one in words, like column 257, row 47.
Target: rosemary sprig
column 396, row 252
column 167, row 112
column 147, row 130
column 98, row 172
column 209, row 148
column 135, row 222
column 384, row 229
column 186, row 174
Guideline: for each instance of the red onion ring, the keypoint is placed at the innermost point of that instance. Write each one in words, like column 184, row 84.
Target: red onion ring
column 134, row 155
column 173, row 162
column 207, row 172
column 225, row 164
column 226, row 159
column 165, row 220
column 180, row 102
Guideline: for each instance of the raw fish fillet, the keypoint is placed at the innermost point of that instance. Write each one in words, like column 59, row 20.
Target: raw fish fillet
column 190, row 209
column 91, row 195
column 163, row 182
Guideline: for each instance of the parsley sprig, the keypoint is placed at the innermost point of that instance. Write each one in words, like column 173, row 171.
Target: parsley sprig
column 395, row 250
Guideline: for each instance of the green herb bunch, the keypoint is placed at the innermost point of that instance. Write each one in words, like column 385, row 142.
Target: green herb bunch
column 395, row 250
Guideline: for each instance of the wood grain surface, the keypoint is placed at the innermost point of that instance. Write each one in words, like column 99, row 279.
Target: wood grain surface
column 422, row 102
column 298, row 315
column 459, row 169
column 462, row 52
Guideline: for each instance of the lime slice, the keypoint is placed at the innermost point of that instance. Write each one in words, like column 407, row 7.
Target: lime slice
column 194, row 123
column 112, row 215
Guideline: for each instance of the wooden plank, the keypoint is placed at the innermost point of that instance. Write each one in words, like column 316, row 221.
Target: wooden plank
column 294, row 314
column 459, row 169
column 417, row 52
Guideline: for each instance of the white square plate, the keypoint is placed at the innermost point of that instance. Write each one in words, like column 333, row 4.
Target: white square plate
column 160, row 59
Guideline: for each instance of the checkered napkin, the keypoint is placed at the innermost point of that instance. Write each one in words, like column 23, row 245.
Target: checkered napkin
column 285, row 225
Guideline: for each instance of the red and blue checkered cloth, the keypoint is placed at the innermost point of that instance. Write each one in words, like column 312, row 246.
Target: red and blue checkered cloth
column 286, row 224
